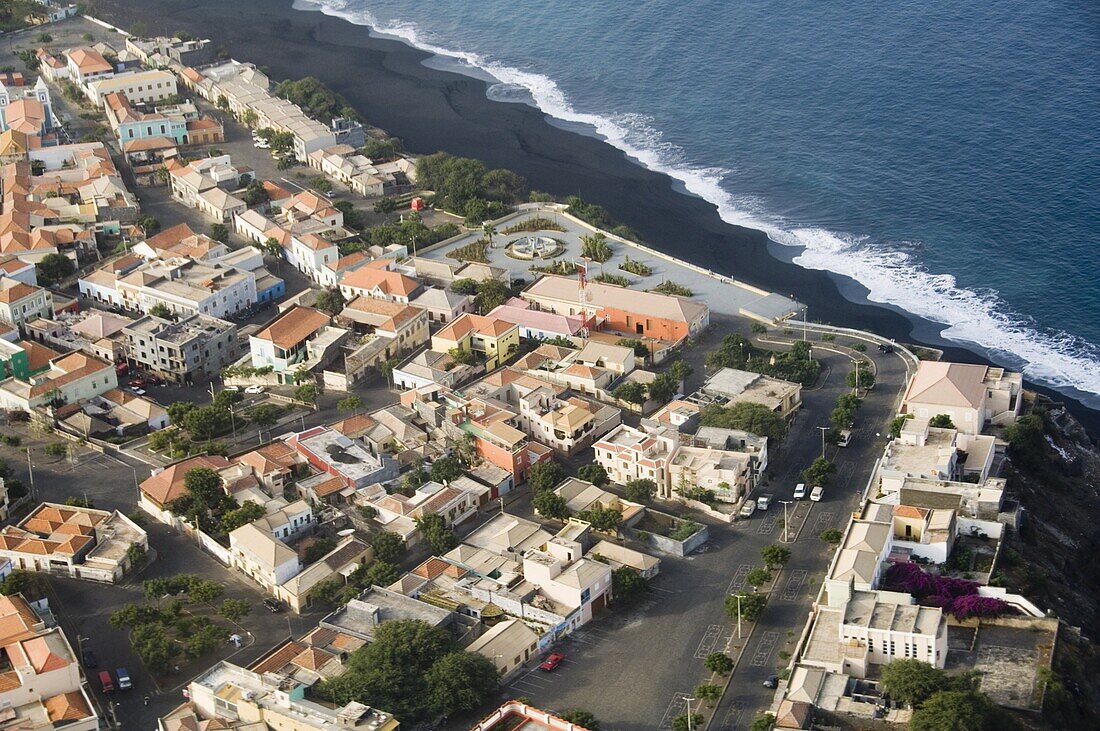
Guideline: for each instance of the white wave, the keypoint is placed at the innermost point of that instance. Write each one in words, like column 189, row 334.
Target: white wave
column 892, row 277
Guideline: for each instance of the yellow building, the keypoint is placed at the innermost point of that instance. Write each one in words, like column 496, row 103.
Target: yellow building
column 492, row 339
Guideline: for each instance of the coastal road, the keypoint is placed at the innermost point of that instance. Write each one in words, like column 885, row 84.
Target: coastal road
column 633, row 669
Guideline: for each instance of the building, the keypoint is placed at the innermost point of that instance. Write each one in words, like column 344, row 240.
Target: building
column 141, row 87
column 731, row 386
column 375, row 606
column 493, row 340
column 29, row 111
column 43, row 686
column 21, row 302
column 228, row 696
column 727, row 474
column 509, row 646
column 443, row 305
column 331, row 452
column 184, row 286
column 537, row 325
column 80, row 542
column 298, row 340
column 183, row 351
column 165, row 485
column 515, row 714
column 972, row 396
column 373, row 281
column 86, row 64
column 264, row 558
column 631, row 454
column 93, row 332
column 620, row 309
column 130, row 125
column 70, row 379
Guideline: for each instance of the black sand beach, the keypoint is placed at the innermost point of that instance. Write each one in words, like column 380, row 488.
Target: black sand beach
column 436, row 110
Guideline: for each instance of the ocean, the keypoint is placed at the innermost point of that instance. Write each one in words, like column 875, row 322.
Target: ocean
column 941, row 158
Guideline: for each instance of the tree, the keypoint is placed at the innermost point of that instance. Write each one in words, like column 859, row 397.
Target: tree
column 581, row 718
column 606, row 520
column 954, row 710
column 595, row 247
column 415, row 477
column 27, row 583
column 436, row 533
column 255, row 194
column 866, row 376
column 491, row 293
column 1027, row 440
column 461, row 681
column 718, row 662
column 388, row 546
column 663, row 387
column 235, row 518
column 219, row 232
column 911, row 681
column 593, row 473
column 627, row 585
column 758, row 577
column 630, row 391
column 549, row 504
column 330, row 301
column 234, row 609
column 266, row 414
column 708, row 693
column 818, row 472
column 898, row 424
column 763, row 722
column 161, row 310
column 350, row 403
column 306, row 392
column 317, row 549
column 155, row 648
column 205, row 592
column 382, row 573
column 641, row 350
column 445, row 469
column 206, row 422
column 941, row 421
column 831, row 536
column 683, row 723
column 681, row 370
column 752, row 606
column 53, row 268
column 746, row 416
column 545, row 476
column 640, row 491
column 465, row 286
column 775, row 556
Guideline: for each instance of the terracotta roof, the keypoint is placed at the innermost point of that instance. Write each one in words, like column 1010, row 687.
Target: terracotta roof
column 948, row 384
column 328, row 487
column 42, row 658
column 467, row 323
column 17, row 619
column 909, row 511
column 278, row 658
column 18, row 291
column 387, row 282
column 69, row 706
column 38, row 355
column 89, row 61
column 294, row 326
column 167, row 485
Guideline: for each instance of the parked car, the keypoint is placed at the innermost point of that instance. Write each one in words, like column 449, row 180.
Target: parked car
column 106, row 682
column 800, row 491
column 138, row 391
column 261, row 145
column 232, row 389
column 254, row 389
column 124, row 681
column 273, row 605
column 845, row 438
column 137, row 382
column 764, row 501
column 884, row 348
column 748, row 508
column 817, row 493
column 772, row 681
column 552, row 661
column 89, row 659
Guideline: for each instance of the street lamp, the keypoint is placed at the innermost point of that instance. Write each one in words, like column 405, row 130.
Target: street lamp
column 785, row 503
column 824, row 430
column 689, row 701
column 739, row 597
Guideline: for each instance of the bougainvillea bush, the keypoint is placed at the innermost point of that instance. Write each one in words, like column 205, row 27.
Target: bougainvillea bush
column 959, row 597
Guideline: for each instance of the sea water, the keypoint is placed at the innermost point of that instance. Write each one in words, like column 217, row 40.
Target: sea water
column 943, row 155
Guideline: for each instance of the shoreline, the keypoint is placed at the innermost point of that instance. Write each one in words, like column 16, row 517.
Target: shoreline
column 432, row 109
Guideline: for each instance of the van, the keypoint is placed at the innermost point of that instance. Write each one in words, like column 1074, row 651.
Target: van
column 845, row 438
column 124, row 681
column 106, row 682
column 800, row 491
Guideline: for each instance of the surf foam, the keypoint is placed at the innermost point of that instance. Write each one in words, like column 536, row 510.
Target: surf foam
column 1056, row 358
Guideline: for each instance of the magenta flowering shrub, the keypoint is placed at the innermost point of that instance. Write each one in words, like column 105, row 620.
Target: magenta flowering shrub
column 956, row 596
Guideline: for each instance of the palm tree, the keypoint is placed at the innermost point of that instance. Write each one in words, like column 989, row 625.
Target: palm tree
column 490, row 231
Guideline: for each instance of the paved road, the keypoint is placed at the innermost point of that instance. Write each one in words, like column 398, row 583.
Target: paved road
column 633, row 670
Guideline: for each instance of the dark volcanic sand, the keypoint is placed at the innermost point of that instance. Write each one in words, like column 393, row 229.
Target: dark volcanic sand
column 437, row 110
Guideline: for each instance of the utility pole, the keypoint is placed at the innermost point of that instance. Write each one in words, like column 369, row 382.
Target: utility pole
column 30, row 470
column 824, row 430
column 785, row 503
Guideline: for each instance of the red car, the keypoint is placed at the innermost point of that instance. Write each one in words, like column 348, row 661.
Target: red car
column 137, row 382
column 552, row 662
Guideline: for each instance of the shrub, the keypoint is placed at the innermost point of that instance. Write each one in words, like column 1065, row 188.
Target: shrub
column 612, row 279
column 672, row 288
column 635, row 267
column 718, row 662
column 474, row 251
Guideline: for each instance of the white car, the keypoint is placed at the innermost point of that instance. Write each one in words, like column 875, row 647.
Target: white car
column 800, row 491
column 748, row 508
column 817, row 493
column 763, row 502
column 845, row 438
column 232, row 389
column 261, row 145
column 254, row 389
column 138, row 391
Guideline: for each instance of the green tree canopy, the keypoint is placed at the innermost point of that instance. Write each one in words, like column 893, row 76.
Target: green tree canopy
column 545, row 476
column 53, row 268
column 330, row 301
column 754, row 418
column 640, row 491
column 941, row 421
column 461, row 681
column 445, row 469
column 436, row 533
column 955, row 710
column 775, row 556
column 818, row 472
column 912, row 682
column 550, row 504
column 387, row 546
column 593, row 473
